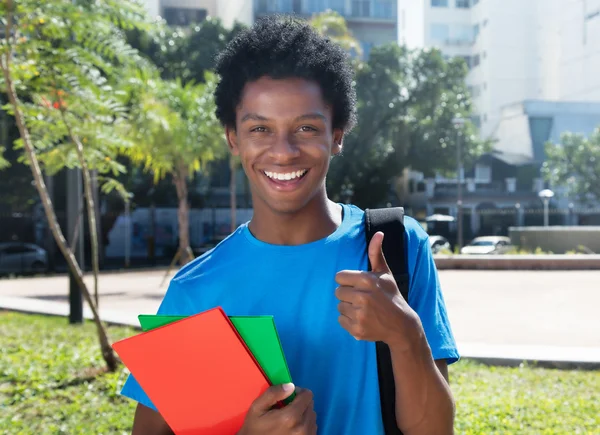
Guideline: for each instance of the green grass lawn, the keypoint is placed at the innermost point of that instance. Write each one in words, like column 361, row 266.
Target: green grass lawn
column 51, row 382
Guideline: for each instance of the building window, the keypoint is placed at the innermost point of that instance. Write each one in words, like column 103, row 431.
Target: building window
column 464, row 34
column 184, row 16
column 463, row 4
column 440, row 32
column 476, row 120
column 475, row 91
column 483, row 173
column 361, row 8
column 475, row 2
column 313, row 6
column 267, row 6
column 468, row 60
column 338, row 6
column 475, row 31
column 439, row 3
column 385, row 9
column 476, row 60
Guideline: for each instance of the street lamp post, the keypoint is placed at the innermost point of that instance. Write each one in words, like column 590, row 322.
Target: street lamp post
column 546, row 195
column 458, row 123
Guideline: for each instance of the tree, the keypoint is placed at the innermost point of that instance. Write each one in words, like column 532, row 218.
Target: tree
column 187, row 54
column 177, row 134
column 333, row 25
column 575, row 163
column 183, row 53
column 60, row 62
column 407, row 100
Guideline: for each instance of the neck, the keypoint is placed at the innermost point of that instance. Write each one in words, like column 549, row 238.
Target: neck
column 317, row 220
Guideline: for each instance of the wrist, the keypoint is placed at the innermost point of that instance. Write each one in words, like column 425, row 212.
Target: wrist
column 409, row 338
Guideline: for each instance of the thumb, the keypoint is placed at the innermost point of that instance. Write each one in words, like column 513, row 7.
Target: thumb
column 376, row 257
column 273, row 395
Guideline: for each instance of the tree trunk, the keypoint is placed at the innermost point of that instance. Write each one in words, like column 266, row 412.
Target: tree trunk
column 91, row 207
column 107, row 351
column 233, row 193
column 183, row 215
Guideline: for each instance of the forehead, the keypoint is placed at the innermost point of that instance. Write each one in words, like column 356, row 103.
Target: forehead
column 282, row 98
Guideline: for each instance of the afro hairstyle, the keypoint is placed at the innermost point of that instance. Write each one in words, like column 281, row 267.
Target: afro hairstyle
column 285, row 47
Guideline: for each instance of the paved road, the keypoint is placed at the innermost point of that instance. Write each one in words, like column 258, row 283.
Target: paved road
column 537, row 308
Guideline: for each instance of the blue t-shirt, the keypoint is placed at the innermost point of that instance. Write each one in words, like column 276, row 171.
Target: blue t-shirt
column 296, row 284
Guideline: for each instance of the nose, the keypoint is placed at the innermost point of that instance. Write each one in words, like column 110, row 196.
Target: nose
column 284, row 149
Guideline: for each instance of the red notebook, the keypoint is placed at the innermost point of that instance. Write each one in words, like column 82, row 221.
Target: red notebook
column 198, row 372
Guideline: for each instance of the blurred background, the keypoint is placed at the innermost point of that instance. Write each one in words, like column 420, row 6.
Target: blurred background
column 480, row 117
column 476, row 116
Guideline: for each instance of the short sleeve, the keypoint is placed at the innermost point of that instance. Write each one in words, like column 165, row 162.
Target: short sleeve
column 425, row 294
column 174, row 303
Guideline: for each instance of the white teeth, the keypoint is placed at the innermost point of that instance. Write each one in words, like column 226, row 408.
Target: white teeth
column 285, row 176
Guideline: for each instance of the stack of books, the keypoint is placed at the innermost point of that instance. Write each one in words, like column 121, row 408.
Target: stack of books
column 203, row 372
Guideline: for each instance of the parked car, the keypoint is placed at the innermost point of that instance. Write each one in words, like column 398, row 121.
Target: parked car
column 439, row 243
column 18, row 257
column 487, row 245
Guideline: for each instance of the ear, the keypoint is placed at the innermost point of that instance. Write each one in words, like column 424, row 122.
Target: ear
column 232, row 140
column 338, row 139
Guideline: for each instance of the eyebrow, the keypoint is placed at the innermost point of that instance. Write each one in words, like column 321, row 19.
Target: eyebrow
column 257, row 117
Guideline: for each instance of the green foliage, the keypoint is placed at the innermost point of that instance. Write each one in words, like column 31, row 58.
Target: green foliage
column 71, row 65
column 52, row 379
column 183, row 53
column 49, row 384
column 407, row 101
column 175, row 127
column 575, row 163
column 3, row 162
column 524, row 400
column 333, row 25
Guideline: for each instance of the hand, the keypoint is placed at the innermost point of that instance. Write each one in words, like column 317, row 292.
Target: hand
column 371, row 306
column 298, row 417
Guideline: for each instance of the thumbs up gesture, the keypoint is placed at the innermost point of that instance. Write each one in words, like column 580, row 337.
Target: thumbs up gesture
column 371, row 306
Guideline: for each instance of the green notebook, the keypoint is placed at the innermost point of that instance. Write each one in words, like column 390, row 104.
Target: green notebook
column 260, row 335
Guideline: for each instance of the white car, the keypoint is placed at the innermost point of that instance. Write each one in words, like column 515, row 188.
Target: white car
column 487, row 245
column 18, row 257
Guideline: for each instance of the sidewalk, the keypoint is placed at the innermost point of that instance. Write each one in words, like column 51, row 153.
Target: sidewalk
column 497, row 316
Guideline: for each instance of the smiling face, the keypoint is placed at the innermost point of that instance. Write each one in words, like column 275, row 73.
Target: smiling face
column 285, row 140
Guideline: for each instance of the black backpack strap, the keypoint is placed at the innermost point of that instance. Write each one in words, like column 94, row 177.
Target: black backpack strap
column 391, row 222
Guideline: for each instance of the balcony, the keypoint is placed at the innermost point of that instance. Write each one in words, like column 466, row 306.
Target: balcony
column 355, row 10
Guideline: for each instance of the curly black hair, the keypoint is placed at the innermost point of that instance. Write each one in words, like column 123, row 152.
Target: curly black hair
column 282, row 47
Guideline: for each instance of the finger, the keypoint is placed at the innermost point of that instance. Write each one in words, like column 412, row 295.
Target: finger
column 310, row 420
column 293, row 413
column 271, row 397
column 351, row 295
column 348, row 310
column 347, row 323
column 353, row 327
column 376, row 257
column 357, row 279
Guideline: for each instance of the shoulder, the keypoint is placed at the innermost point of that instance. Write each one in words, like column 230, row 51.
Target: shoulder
column 414, row 233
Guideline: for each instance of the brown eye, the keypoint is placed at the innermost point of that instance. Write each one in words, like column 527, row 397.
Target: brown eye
column 258, row 129
column 307, row 128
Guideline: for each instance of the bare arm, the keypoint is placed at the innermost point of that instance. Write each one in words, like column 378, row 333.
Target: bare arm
column 424, row 402
column 149, row 422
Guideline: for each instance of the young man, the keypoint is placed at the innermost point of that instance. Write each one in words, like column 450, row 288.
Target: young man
column 286, row 100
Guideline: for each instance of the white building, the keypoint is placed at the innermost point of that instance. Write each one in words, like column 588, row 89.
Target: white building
column 516, row 49
column 182, row 12
column 372, row 22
